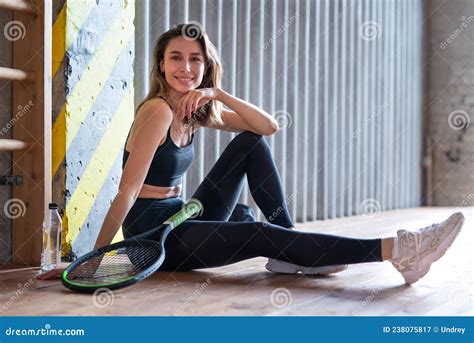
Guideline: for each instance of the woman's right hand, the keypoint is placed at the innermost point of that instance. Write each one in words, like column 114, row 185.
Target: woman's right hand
column 51, row 274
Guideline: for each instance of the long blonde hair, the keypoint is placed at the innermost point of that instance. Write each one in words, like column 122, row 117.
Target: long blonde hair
column 212, row 73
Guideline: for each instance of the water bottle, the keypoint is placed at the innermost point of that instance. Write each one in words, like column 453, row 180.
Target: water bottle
column 52, row 227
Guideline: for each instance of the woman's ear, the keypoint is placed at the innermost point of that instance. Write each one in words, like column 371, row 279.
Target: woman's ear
column 162, row 69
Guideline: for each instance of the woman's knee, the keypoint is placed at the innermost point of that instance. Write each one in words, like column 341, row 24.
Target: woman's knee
column 247, row 140
column 247, row 137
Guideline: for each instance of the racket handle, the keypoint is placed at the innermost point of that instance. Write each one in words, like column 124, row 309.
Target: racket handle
column 189, row 209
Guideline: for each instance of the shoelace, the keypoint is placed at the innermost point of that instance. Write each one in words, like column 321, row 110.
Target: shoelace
column 434, row 232
column 417, row 238
column 405, row 241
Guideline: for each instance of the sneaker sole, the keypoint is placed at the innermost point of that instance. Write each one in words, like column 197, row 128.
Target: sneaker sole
column 323, row 272
column 412, row 277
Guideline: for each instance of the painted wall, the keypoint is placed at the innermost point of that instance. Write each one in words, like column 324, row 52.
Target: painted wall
column 94, row 57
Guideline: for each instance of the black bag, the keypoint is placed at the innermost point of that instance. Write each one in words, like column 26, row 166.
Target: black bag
column 242, row 213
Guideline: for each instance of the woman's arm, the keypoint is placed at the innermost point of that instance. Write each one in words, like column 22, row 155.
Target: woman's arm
column 118, row 210
column 260, row 121
column 151, row 125
column 243, row 115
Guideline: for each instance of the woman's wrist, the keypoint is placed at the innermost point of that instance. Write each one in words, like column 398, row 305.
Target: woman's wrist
column 218, row 94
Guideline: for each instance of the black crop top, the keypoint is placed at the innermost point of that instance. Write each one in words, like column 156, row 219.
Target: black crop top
column 169, row 162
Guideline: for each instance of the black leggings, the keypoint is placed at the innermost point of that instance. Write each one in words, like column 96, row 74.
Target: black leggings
column 212, row 241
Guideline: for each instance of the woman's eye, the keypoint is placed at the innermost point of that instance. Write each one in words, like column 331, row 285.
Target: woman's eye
column 196, row 59
column 175, row 58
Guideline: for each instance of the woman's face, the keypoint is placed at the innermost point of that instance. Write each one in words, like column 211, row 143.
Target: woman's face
column 183, row 64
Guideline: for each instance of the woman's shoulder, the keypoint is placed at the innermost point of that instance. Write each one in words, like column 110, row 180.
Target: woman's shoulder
column 155, row 103
column 151, row 122
column 155, row 108
column 153, row 117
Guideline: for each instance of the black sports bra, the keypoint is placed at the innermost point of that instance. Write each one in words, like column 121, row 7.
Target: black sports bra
column 169, row 163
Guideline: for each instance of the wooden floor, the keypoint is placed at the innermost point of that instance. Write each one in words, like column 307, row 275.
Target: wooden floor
column 246, row 288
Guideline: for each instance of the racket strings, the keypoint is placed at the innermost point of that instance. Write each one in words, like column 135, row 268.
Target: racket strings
column 115, row 265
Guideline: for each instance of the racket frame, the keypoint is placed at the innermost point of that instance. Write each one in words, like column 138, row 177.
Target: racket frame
column 189, row 209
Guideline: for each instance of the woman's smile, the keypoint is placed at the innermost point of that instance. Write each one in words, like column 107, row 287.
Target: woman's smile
column 186, row 81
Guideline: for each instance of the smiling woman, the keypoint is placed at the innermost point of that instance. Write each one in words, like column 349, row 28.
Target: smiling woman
column 186, row 95
column 174, row 58
column 182, row 64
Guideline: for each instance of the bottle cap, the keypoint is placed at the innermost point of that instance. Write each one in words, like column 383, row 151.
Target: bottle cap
column 53, row 206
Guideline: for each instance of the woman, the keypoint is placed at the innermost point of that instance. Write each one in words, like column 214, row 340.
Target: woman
column 186, row 95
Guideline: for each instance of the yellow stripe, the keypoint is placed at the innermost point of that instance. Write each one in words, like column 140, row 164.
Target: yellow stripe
column 62, row 38
column 74, row 14
column 59, row 39
column 59, row 141
column 77, row 13
column 98, row 71
column 99, row 167
column 93, row 79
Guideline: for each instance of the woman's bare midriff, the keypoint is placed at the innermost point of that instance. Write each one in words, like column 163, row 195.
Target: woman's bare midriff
column 158, row 192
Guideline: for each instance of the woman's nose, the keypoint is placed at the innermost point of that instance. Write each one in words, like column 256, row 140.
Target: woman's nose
column 185, row 66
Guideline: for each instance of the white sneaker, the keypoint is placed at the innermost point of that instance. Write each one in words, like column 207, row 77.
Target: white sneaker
column 414, row 252
column 283, row 267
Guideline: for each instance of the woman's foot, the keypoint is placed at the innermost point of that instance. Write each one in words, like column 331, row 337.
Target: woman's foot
column 414, row 252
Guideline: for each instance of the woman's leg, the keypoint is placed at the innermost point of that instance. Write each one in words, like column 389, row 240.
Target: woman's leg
column 247, row 154
column 204, row 244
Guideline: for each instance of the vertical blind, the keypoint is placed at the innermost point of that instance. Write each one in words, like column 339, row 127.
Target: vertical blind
column 342, row 77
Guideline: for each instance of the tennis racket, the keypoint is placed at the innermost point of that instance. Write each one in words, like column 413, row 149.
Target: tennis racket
column 127, row 262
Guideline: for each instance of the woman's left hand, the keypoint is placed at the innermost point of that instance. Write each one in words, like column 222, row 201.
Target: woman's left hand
column 193, row 100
